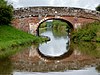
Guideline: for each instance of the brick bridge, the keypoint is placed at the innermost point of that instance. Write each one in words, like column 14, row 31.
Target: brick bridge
column 29, row 19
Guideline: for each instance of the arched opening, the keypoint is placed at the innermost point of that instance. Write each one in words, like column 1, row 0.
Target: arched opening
column 63, row 20
column 58, row 31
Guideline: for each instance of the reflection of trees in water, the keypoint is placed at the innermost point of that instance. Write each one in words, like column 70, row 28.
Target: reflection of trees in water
column 98, row 68
column 88, row 48
column 6, row 67
column 38, row 65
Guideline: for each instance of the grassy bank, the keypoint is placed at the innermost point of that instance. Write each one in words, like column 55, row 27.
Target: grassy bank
column 11, row 37
column 90, row 32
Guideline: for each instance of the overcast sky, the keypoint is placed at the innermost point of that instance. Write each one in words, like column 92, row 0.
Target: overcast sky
column 87, row 4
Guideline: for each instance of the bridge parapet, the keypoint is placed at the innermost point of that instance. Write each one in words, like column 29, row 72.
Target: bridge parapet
column 51, row 11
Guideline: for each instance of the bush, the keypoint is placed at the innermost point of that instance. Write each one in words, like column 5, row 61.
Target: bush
column 98, row 8
column 6, row 12
column 58, row 23
column 90, row 32
column 43, row 25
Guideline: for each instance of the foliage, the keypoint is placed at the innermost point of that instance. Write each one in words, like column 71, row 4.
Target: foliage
column 90, row 32
column 98, row 8
column 58, row 23
column 11, row 37
column 6, row 12
column 43, row 25
column 59, row 28
column 60, row 32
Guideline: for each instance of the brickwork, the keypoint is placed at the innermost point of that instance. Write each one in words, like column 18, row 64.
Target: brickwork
column 23, row 17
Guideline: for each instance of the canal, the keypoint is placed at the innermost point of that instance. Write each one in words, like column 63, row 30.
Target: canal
column 59, row 56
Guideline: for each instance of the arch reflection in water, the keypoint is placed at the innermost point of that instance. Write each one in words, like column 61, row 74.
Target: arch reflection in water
column 57, row 47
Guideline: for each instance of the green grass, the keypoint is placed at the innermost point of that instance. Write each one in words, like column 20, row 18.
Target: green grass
column 12, row 37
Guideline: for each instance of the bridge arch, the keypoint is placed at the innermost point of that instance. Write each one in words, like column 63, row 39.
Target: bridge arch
column 44, row 20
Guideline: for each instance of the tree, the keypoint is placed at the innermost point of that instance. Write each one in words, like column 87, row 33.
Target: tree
column 6, row 12
column 98, row 8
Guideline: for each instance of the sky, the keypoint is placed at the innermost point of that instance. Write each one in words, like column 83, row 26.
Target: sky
column 86, row 4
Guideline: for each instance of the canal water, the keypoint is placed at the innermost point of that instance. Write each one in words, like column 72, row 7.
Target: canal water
column 59, row 56
column 57, row 46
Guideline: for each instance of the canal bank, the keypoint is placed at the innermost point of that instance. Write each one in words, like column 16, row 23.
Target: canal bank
column 12, row 37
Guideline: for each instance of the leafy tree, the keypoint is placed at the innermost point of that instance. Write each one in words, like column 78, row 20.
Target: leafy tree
column 98, row 8
column 6, row 12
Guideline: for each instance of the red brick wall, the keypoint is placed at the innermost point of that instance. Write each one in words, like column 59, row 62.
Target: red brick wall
column 23, row 23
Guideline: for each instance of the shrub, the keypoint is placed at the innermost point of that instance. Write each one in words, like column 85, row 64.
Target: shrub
column 6, row 12
column 98, row 8
column 90, row 32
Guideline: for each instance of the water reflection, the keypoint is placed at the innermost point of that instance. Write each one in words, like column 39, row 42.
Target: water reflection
column 88, row 48
column 65, row 55
column 98, row 68
column 28, row 61
column 56, row 47
column 33, row 51
column 86, row 71
column 6, row 67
